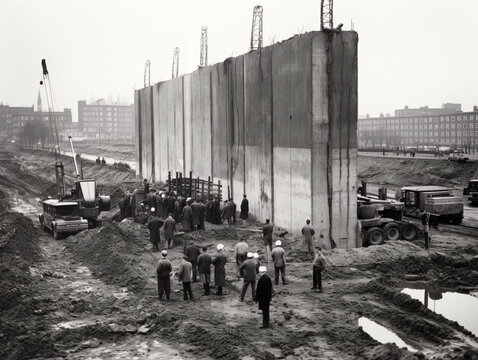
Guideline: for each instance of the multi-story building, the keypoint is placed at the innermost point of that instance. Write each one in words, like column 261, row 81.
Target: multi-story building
column 451, row 129
column 101, row 120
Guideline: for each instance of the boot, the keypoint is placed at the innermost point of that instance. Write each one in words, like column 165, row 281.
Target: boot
column 208, row 289
column 205, row 288
column 283, row 281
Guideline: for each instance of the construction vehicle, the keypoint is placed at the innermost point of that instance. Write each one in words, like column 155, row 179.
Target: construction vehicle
column 457, row 156
column 472, row 191
column 62, row 218
column 438, row 201
column 382, row 220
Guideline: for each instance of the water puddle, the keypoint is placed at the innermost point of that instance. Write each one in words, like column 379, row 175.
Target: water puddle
column 382, row 334
column 462, row 308
column 73, row 324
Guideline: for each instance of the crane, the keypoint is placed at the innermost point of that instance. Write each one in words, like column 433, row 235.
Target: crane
column 256, row 32
column 175, row 68
column 51, row 107
column 147, row 73
column 203, row 56
column 326, row 14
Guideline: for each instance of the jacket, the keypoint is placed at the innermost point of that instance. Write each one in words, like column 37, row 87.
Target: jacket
column 153, row 226
column 278, row 256
column 249, row 270
column 192, row 251
column 204, row 263
column 264, row 292
column 187, row 218
column 169, row 228
column 244, row 209
column 185, row 271
column 308, row 232
column 319, row 261
column 196, row 211
column 267, row 230
column 241, row 248
column 226, row 211
column 164, row 268
column 219, row 271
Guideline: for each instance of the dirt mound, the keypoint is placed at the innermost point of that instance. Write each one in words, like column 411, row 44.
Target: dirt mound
column 395, row 171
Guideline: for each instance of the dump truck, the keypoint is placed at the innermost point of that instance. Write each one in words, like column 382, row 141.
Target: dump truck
column 472, row 191
column 62, row 218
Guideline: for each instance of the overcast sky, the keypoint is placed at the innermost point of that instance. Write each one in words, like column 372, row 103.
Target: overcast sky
column 411, row 52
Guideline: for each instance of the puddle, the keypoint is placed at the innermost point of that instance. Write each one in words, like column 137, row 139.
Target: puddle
column 382, row 334
column 462, row 308
column 73, row 324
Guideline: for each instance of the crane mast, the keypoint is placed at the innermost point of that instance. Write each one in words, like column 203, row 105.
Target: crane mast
column 147, row 73
column 175, row 69
column 256, row 32
column 203, row 56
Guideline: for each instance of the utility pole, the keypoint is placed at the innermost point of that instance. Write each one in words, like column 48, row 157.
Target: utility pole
column 203, row 56
column 175, row 63
column 256, row 32
column 147, row 73
column 326, row 14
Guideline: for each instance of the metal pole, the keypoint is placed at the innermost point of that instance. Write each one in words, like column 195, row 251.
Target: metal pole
column 190, row 183
column 169, row 181
column 208, row 187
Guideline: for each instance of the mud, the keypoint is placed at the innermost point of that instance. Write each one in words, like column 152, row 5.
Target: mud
column 94, row 295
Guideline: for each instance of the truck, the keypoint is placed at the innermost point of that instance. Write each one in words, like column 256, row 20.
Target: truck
column 457, row 156
column 438, row 201
column 62, row 218
column 472, row 191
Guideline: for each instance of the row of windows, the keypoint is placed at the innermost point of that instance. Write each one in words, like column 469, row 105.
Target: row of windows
column 471, row 117
column 420, row 127
column 428, row 134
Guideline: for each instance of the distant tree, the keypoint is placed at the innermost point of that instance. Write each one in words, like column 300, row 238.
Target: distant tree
column 34, row 132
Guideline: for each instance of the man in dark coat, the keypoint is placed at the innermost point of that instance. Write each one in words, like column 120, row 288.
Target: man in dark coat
column 184, row 276
column 317, row 268
column 267, row 231
column 308, row 233
column 202, row 215
column 164, row 271
column 164, row 206
column 248, row 271
column 219, row 262
column 187, row 217
column 192, row 251
column 151, row 197
column 159, row 203
column 216, row 211
column 226, row 213
column 146, row 187
column 171, row 203
column 209, row 210
column 278, row 257
column 204, row 268
column 196, row 210
column 169, row 230
column 244, row 209
column 233, row 207
column 154, row 224
column 127, row 204
column 264, row 295
column 122, row 206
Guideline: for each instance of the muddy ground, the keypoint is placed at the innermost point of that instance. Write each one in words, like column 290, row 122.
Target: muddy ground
column 93, row 295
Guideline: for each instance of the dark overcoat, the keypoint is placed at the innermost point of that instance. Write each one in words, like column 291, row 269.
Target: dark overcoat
column 264, row 292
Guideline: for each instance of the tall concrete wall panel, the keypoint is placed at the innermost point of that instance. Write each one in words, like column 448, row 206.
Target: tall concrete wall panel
column 277, row 124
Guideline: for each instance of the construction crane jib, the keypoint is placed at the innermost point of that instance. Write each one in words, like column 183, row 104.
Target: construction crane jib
column 175, row 69
column 203, row 56
column 326, row 14
column 256, row 32
column 147, row 73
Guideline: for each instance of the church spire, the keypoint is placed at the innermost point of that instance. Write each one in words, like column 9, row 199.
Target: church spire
column 39, row 102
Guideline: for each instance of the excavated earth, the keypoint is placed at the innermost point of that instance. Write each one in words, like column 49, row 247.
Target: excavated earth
column 94, row 295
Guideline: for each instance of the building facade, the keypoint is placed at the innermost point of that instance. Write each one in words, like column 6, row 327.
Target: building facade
column 449, row 129
column 101, row 120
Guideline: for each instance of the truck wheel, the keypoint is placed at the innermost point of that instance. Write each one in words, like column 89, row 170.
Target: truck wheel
column 56, row 234
column 375, row 236
column 409, row 232
column 392, row 231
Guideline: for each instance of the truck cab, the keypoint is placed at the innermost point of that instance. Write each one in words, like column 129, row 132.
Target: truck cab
column 472, row 191
column 62, row 218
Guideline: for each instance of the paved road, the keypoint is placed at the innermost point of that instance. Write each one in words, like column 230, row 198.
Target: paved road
column 472, row 157
column 108, row 160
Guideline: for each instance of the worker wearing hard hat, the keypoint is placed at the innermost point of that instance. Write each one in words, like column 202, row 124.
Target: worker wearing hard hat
column 164, row 271
column 248, row 271
column 264, row 295
column 278, row 257
column 219, row 263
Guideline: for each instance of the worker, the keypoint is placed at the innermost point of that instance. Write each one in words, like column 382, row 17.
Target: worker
column 209, row 210
column 240, row 252
column 196, row 210
column 187, row 216
column 216, row 211
column 164, row 271
column 204, row 268
column 317, row 268
column 264, row 295
column 159, row 203
column 146, row 187
column 219, row 263
column 184, row 277
column 226, row 213
column 267, row 230
column 103, row 161
column 202, row 215
column 256, row 258
column 192, row 251
column 171, row 202
column 308, row 233
column 122, row 206
column 164, row 206
column 248, row 271
column 233, row 207
column 426, row 227
column 154, row 224
column 177, row 213
column 278, row 256
column 169, row 231
column 98, row 161
column 151, row 198
column 244, row 209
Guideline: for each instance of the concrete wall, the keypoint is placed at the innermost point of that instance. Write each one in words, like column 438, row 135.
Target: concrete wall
column 277, row 124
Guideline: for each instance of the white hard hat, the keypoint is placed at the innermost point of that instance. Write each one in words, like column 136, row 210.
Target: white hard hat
column 278, row 243
column 153, row 209
column 220, row 246
column 163, row 196
column 256, row 255
column 188, row 199
column 164, row 253
column 249, row 255
column 262, row 269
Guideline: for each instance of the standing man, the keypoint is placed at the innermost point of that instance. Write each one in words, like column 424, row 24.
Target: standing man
column 169, row 230
column 233, row 210
column 122, row 206
column 163, row 271
column 219, row 269
column 192, row 252
column 184, row 276
column 264, row 295
column 202, row 215
column 187, row 217
column 426, row 228
column 196, row 212
column 317, row 268
column 248, row 271
column 308, row 232
column 244, row 210
column 226, row 212
column 267, row 230
column 146, row 187
column 204, row 268
column 278, row 256
column 256, row 258
column 240, row 252
column 154, row 224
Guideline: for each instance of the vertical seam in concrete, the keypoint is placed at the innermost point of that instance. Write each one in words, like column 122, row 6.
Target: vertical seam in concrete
column 244, row 121
column 174, row 118
column 311, row 130
column 140, row 136
column 210, row 125
column 290, row 139
column 184, row 132
column 330, row 114
column 152, row 137
column 272, row 140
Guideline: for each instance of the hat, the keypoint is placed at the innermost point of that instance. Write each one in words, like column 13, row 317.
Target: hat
column 262, row 269
column 188, row 199
column 256, row 255
column 153, row 209
column 249, row 255
column 164, row 253
column 220, row 246
column 278, row 243
column 163, row 196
